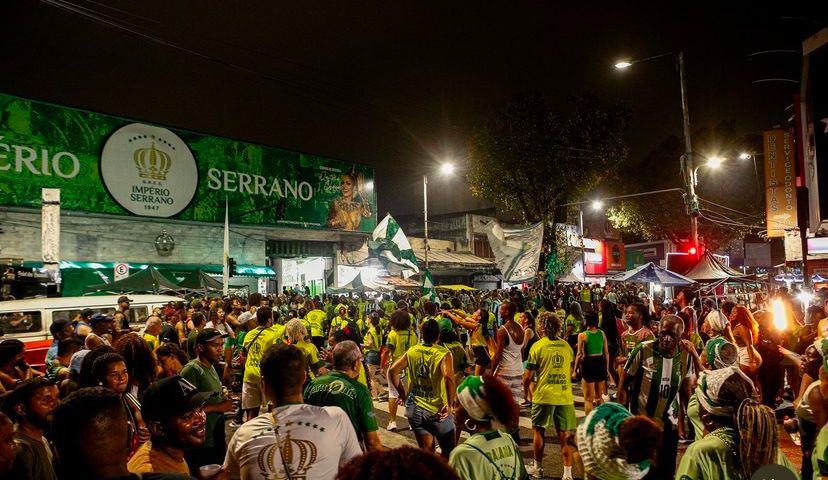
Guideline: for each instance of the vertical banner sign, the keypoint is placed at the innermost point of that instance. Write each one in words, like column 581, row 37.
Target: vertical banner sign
column 50, row 230
column 780, row 182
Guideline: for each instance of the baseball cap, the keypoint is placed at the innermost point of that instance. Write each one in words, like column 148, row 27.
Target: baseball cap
column 86, row 312
column 99, row 318
column 171, row 397
column 58, row 325
column 208, row 335
column 246, row 317
column 124, row 298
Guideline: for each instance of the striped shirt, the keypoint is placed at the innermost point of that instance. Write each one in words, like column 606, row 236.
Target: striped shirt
column 656, row 381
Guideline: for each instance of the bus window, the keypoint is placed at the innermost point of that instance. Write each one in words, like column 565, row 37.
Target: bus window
column 137, row 314
column 21, row 322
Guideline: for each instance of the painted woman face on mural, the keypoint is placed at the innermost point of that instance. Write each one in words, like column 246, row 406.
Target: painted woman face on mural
column 347, row 186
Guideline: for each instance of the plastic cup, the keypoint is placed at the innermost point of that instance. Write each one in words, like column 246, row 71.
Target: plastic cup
column 210, row 471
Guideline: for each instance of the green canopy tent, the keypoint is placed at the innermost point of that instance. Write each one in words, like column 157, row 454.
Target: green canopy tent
column 200, row 281
column 148, row 280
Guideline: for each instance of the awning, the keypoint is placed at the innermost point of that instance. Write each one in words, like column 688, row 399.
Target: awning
column 174, row 269
column 455, row 259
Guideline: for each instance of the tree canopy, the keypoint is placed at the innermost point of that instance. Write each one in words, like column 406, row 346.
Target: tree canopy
column 534, row 155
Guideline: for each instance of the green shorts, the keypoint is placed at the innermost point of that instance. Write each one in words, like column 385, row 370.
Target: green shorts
column 562, row 417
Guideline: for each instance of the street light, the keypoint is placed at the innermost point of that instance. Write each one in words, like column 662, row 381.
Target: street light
column 687, row 159
column 752, row 156
column 446, row 168
column 715, row 162
column 597, row 204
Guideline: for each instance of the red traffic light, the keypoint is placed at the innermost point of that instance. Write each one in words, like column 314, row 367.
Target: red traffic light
column 692, row 250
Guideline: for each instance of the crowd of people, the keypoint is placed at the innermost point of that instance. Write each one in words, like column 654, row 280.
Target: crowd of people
column 287, row 386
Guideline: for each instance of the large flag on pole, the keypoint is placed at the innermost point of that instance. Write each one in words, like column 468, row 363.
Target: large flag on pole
column 428, row 287
column 391, row 246
column 516, row 250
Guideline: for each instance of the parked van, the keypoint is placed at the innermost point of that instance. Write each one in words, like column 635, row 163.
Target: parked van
column 29, row 320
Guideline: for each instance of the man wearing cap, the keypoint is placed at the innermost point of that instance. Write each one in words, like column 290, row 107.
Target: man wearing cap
column 81, row 323
column 173, row 410
column 123, row 307
column 60, row 329
column 101, row 325
column 201, row 372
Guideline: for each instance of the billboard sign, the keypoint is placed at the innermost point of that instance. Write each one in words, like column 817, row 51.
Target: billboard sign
column 107, row 164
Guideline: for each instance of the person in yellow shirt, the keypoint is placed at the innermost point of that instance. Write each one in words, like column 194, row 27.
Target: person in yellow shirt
column 341, row 319
column 314, row 322
column 550, row 370
column 430, row 367
column 296, row 335
column 256, row 343
column 370, row 347
column 400, row 339
column 153, row 328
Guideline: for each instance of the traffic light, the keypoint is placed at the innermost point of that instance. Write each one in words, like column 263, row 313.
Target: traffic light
column 231, row 266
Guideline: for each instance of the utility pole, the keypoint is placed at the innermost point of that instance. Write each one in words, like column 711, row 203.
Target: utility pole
column 692, row 200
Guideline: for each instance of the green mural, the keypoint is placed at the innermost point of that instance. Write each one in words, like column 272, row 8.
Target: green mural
column 112, row 165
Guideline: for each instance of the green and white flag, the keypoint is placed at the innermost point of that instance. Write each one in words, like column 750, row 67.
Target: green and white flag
column 391, row 246
column 429, row 292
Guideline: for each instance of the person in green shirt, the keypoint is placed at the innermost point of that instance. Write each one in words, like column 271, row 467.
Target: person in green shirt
column 572, row 325
column 199, row 320
column 340, row 388
column 430, row 367
column 653, row 373
column 488, row 452
column 550, row 368
column 201, row 372
column 742, row 434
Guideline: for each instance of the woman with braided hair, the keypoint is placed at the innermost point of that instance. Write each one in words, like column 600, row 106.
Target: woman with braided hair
column 741, row 434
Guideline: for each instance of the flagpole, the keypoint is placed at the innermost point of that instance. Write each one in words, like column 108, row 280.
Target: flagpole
column 226, row 263
column 425, row 218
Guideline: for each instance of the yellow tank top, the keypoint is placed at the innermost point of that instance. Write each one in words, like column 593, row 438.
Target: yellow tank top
column 425, row 377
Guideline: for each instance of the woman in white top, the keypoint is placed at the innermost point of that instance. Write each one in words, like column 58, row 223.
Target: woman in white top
column 218, row 321
column 507, row 361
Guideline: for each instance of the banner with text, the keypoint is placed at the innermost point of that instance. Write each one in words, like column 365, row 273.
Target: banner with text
column 780, row 181
column 107, row 164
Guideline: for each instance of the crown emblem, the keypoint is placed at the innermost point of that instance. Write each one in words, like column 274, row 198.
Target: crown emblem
column 152, row 163
column 557, row 361
column 297, row 456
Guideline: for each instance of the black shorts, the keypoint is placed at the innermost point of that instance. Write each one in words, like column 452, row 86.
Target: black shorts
column 594, row 368
column 481, row 356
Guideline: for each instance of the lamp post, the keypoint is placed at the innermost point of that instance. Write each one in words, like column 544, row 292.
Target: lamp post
column 752, row 156
column 445, row 169
column 690, row 200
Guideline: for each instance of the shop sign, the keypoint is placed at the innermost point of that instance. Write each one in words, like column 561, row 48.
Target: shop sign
column 111, row 165
column 780, row 182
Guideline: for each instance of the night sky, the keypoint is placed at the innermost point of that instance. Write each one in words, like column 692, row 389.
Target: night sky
column 400, row 87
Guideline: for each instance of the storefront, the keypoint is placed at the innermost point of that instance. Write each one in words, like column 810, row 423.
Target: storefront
column 142, row 194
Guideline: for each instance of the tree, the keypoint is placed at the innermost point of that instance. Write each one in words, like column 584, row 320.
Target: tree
column 731, row 202
column 534, row 155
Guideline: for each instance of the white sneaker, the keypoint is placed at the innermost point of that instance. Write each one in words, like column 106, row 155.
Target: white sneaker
column 566, row 477
column 391, row 426
column 533, row 471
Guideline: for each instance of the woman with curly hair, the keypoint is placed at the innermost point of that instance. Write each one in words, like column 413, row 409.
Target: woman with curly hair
column 140, row 362
column 481, row 400
column 741, row 433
